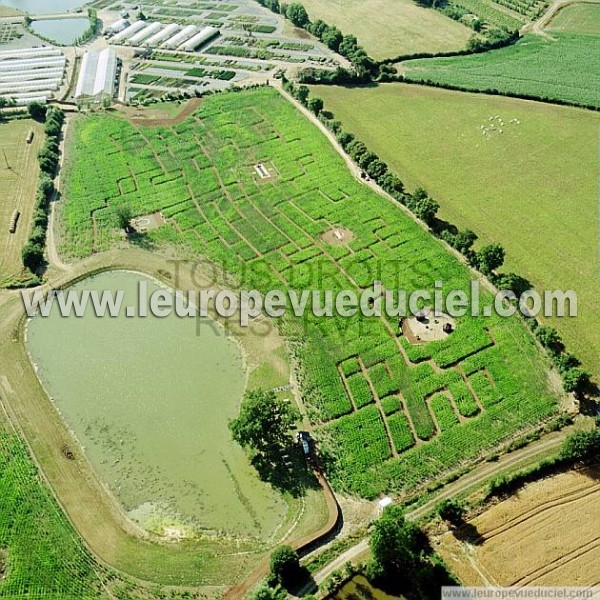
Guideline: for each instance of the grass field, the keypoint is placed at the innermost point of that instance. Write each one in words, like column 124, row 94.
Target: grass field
column 388, row 28
column 18, row 181
column 577, row 18
column 513, row 547
column 200, row 174
column 531, row 178
column 564, row 68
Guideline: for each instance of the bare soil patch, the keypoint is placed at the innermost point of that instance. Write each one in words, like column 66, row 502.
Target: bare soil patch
column 338, row 236
column 148, row 222
column 420, row 330
column 158, row 117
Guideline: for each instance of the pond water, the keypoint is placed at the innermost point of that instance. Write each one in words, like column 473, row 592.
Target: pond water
column 359, row 588
column 43, row 7
column 62, row 31
column 149, row 400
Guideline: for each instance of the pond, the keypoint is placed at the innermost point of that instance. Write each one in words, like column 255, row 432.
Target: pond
column 62, row 31
column 43, row 7
column 360, row 588
column 149, row 400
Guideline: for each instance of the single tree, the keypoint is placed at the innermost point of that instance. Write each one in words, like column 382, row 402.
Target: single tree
column 581, row 445
column 426, row 209
column 285, row 565
column 263, row 423
column 575, row 380
column 315, row 105
column 265, row 592
column 297, row 14
column 395, row 544
column 32, row 256
column 302, row 93
column 452, row 511
column 37, row 111
column 490, row 258
column 549, row 338
column 124, row 216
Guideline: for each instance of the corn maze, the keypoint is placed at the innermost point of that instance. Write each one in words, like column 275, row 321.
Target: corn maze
column 392, row 415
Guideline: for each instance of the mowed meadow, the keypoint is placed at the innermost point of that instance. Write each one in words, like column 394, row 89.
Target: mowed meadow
column 531, row 186
column 392, row 414
column 390, row 28
column 18, row 182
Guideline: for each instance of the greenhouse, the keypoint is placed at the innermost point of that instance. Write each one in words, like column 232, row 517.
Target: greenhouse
column 41, row 85
column 168, row 32
column 145, row 33
column 185, row 34
column 129, row 32
column 97, row 76
column 34, row 74
column 34, row 63
column 25, row 99
column 29, row 53
column 205, row 34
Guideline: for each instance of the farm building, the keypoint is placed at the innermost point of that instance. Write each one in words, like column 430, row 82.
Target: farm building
column 203, row 36
column 97, row 76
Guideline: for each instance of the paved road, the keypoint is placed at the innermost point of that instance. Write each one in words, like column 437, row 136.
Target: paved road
column 478, row 476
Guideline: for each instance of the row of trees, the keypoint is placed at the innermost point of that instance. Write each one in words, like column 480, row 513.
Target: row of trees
column 346, row 45
column 48, row 157
column 488, row 259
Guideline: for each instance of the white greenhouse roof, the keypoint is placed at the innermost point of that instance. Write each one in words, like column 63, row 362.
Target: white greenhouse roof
column 97, row 74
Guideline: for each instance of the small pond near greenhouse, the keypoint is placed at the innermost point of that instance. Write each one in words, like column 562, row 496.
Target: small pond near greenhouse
column 62, row 31
column 149, row 400
column 43, row 7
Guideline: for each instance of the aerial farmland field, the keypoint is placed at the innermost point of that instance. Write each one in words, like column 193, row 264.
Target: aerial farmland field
column 582, row 18
column 18, row 178
column 500, row 181
column 278, row 224
column 508, row 543
column 563, row 67
column 388, row 28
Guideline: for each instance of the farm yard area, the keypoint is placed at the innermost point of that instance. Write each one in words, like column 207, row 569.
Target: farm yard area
column 543, row 536
column 18, row 181
column 498, row 180
column 206, row 46
column 426, row 403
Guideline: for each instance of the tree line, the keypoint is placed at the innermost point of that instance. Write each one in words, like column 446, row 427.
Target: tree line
column 487, row 260
column 53, row 118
